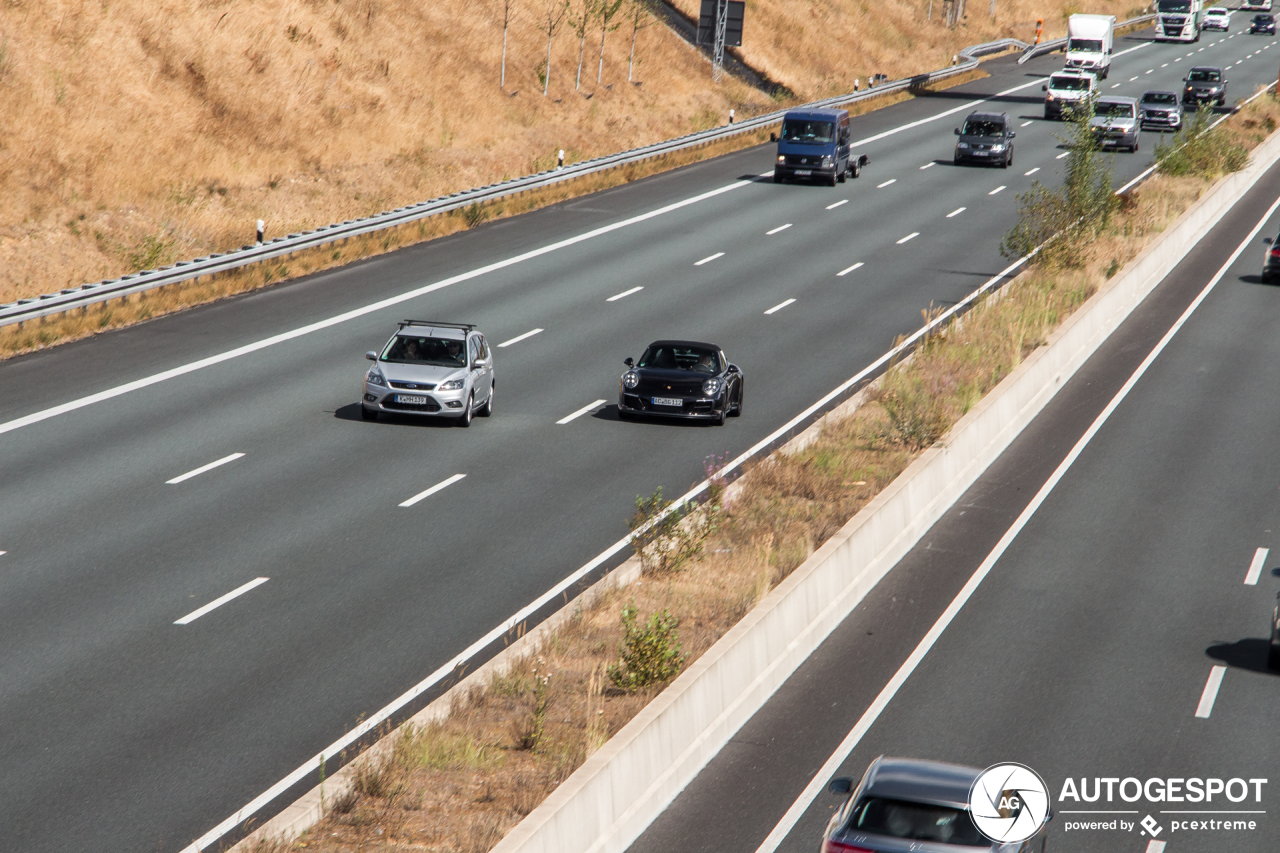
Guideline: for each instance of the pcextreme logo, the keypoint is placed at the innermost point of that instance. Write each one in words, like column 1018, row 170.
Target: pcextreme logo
column 1009, row 802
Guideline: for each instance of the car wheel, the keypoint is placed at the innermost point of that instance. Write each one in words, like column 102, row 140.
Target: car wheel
column 719, row 418
column 465, row 420
column 737, row 406
column 844, row 174
column 835, row 179
column 487, row 409
column 854, row 170
column 1136, row 143
column 368, row 414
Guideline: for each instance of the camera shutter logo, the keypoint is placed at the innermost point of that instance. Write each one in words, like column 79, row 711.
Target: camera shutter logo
column 1009, row 802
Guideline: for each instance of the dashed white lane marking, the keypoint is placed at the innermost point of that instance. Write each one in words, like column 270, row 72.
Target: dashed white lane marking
column 1148, row 71
column 518, row 338
column 1115, row 85
column 2, row 553
column 1205, row 708
column 1239, row 61
column 956, row 212
column 844, row 271
column 886, row 183
column 618, row 296
column 1255, row 568
column 443, row 484
column 1026, row 124
column 776, row 230
column 709, row 259
column 837, row 204
column 1200, row 50
column 1179, row 59
column 198, row 471
column 1131, row 79
column 996, row 190
column 579, row 413
column 780, row 306
column 218, row 602
column 1166, row 65
column 1063, row 154
column 927, row 166
column 1030, row 173
column 910, row 236
column 1154, row 846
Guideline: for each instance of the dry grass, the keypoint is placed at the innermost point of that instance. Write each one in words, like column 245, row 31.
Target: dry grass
column 459, row 785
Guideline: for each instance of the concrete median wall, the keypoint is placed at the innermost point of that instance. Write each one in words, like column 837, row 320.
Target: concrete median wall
column 609, row 801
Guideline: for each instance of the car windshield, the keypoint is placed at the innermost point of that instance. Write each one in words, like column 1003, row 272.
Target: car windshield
column 1071, row 84
column 677, row 357
column 1263, row 19
column 1091, row 45
column 437, row 352
column 1215, row 13
column 983, row 127
column 808, row 131
column 917, row 821
column 1114, row 110
column 1175, row 6
column 1204, row 75
column 1160, row 98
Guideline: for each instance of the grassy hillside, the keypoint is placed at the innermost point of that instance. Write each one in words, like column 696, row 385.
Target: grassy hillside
column 137, row 133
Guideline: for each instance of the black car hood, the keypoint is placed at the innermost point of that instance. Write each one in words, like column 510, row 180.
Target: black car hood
column 983, row 140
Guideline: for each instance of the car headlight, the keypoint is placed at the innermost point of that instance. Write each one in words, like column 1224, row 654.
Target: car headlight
column 999, row 146
column 374, row 377
column 1050, row 97
column 962, row 145
column 630, row 379
column 782, row 158
column 711, row 387
column 453, row 385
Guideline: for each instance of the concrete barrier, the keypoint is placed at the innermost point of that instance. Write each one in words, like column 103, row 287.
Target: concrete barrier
column 619, row 790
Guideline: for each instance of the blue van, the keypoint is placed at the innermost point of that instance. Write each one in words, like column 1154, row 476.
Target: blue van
column 815, row 144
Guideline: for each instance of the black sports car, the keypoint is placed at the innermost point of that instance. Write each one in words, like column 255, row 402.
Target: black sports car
column 682, row 379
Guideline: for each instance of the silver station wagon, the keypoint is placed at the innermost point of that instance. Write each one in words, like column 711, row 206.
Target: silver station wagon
column 433, row 369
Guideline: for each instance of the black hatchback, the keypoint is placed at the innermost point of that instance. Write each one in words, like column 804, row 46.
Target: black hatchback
column 985, row 138
column 681, row 379
column 1263, row 24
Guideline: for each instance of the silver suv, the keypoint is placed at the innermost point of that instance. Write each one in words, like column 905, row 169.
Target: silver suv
column 1115, row 123
column 431, row 368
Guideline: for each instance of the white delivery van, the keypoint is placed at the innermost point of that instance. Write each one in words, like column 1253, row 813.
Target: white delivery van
column 1179, row 20
column 1255, row 6
column 1089, row 43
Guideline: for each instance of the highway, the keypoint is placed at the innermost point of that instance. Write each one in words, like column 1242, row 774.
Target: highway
column 1121, row 628
column 123, row 730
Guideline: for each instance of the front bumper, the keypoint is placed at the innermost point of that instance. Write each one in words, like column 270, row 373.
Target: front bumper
column 1116, row 139
column 690, row 407
column 439, row 404
column 981, row 155
column 1266, row 30
column 805, row 172
column 1193, row 97
column 1163, row 121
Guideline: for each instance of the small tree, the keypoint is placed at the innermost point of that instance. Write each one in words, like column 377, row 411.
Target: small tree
column 508, row 12
column 550, row 22
column 648, row 654
column 606, row 10
column 641, row 15
column 580, row 23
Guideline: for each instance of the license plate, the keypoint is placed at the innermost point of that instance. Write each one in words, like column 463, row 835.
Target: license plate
column 798, row 172
column 667, row 401
column 411, row 400
column 982, row 154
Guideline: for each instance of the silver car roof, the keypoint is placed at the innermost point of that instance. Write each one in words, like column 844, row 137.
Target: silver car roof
column 1118, row 99
column 433, row 332
column 921, row 781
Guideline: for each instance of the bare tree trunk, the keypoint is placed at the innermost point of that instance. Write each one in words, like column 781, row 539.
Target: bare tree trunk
column 582, row 46
column 546, row 78
column 991, row 9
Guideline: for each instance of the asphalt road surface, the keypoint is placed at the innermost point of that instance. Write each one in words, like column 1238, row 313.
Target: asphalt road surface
column 1122, row 632
column 123, row 730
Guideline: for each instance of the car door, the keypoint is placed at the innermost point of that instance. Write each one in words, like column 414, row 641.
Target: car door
column 486, row 359
column 478, row 389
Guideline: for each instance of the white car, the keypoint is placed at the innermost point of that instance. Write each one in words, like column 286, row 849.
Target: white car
column 1216, row 18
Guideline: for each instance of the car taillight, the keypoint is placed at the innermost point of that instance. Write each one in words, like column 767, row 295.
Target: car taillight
column 833, row 846
column 1275, row 253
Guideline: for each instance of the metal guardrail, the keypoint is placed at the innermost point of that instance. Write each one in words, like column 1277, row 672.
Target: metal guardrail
column 1057, row 44
column 184, row 271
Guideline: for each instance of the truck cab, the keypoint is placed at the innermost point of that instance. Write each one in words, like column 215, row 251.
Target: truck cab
column 814, row 145
column 1179, row 20
column 1089, row 43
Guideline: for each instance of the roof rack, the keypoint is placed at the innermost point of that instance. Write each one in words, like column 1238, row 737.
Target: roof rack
column 464, row 326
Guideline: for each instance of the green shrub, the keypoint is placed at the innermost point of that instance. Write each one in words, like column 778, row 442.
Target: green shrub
column 648, row 654
column 1200, row 150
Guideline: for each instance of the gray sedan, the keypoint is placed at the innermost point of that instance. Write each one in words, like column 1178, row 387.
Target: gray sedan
column 1160, row 110
column 433, row 369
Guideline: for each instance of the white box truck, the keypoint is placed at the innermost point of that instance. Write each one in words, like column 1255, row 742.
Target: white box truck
column 1179, row 20
column 1089, row 43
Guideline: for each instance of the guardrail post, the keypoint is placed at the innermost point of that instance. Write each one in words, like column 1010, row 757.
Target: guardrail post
column 730, row 116
column 560, row 164
column 261, row 228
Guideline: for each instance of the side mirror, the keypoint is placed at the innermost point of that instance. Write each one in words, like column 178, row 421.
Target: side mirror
column 733, row 368
column 957, row 131
column 1012, row 134
column 371, row 355
column 773, row 137
column 1044, row 88
column 843, row 785
column 629, row 361
column 1267, row 240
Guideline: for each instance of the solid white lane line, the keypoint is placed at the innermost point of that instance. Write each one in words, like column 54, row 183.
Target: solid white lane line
column 1026, row 124
column 624, row 293
column 886, row 183
column 443, row 484
column 218, row 602
column 518, row 338
column 997, row 189
column 910, row 236
column 927, row 166
column 1063, row 154
column 1154, row 846
column 837, row 204
column 709, row 258
column 1255, row 568
column 844, row 271
column 819, row 782
column 580, row 412
column 198, row 471
column 1205, row 708
column 1030, row 173
column 957, row 212
column 780, row 306
column 776, row 230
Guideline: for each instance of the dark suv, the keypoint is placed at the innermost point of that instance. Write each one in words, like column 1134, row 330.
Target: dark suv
column 1204, row 84
column 985, row 138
